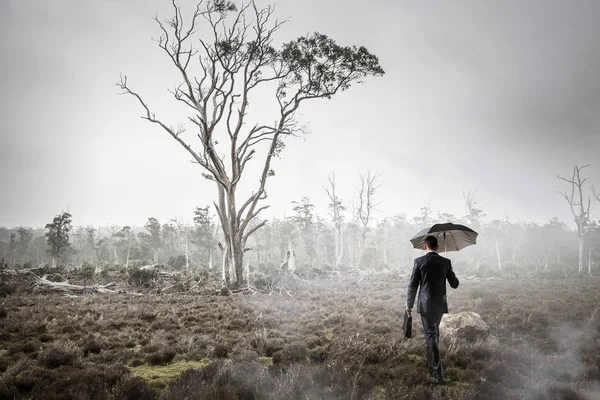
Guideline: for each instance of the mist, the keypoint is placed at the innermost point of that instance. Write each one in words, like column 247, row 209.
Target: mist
column 199, row 204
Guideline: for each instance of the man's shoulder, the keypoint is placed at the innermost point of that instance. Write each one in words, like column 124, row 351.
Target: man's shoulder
column 430, row 255
column 443, row 258
column 419, row 259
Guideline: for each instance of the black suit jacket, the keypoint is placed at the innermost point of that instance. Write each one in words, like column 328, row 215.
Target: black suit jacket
column 431, row 272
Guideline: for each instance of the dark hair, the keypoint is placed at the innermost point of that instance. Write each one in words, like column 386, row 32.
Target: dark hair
column 431, row 242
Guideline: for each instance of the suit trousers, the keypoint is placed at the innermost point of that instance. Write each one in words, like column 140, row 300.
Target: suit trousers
column 431, row 330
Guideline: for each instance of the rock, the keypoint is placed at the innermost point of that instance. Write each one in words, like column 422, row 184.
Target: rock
column 468, row 326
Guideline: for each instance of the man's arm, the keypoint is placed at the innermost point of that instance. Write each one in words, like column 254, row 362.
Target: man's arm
column 413, row 285
column 452, row 279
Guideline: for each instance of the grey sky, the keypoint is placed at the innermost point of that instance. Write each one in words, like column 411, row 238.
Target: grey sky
column 495, row 96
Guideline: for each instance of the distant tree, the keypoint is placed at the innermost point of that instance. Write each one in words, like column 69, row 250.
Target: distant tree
column 366, row 206
column 594, row 243
column 474, row 214
column 444, row 217
column 556, row 235
column 12, row 248
column 125, row 237
column 336, row 211
column 304, row 220
column 152, row 237
column 238, row 60
column 496, row 229
column 262, row 242
column 204, row 236
column 281, row 237
column 169, row 235
column 183, row 236
column 580, row 208
column 91, row 241
column 324, row 241
column 424, row 219
column 79, row 241
column 25, row 237
column 58, row 236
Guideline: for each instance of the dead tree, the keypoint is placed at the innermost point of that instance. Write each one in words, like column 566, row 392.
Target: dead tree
column 366, row 207
column 474, row 219
column 336, row 209
column 238, row 60
column 579, row 208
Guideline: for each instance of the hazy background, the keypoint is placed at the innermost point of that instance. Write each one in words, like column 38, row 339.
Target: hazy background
column 496, row 97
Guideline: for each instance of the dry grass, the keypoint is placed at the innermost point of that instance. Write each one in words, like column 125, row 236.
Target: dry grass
column 334, row 339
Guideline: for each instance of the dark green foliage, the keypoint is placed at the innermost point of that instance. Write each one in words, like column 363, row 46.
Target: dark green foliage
column 143, row 277
column 58, row 235
column 322, row 67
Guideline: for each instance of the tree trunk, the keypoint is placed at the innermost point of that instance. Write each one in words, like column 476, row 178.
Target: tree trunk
column 498, row 256
column 116, row 258
column 247, row 270
column 589, row 260
column 361, row 250
column 226, row 264
column 128, row 253
column 187, row 254
column 292, row 260
column 339, row 246
column 237, row 260
column 580, row 268
column 211, row 264
column 156, row 256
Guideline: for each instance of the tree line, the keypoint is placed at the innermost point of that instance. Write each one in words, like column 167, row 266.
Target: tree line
column 347, row 236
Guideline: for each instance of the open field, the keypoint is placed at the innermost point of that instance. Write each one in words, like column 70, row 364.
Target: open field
column 330, row 338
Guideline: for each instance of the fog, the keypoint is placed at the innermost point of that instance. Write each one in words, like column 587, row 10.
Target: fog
column 495, row 97
column 485, row 113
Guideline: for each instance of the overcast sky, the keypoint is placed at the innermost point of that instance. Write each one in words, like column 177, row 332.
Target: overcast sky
column 495, row 96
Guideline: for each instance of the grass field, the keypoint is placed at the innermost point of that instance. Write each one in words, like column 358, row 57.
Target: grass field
column 330, row 338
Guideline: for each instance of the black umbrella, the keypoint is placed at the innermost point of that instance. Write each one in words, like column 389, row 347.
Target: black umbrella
column 451, row 237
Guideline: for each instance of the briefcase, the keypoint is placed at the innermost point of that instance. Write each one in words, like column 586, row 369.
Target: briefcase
column 407, row 325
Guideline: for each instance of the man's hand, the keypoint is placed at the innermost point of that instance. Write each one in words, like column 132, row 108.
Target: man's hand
column 408, row 309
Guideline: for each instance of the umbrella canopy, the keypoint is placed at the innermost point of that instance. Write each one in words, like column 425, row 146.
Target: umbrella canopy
column 451, row 237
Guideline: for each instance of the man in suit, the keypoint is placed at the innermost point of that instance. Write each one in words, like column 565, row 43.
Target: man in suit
column 431, row 272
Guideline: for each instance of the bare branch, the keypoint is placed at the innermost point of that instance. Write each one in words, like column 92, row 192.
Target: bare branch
column 251, row 231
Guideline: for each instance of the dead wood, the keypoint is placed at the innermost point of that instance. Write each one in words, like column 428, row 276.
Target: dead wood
column 45, row 285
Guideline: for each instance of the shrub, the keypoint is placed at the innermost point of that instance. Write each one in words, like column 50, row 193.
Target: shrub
column 55, row 357
column 177, row 262
column 293, row 353
column 160, row 357
column 221, row 351
column 245, row 355
column 86, row 272
column 143, row 277
column 92, row 346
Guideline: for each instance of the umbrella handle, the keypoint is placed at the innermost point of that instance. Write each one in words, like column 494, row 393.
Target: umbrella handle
column 445, row 245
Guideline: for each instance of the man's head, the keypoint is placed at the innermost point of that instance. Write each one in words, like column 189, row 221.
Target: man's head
column 431, row 243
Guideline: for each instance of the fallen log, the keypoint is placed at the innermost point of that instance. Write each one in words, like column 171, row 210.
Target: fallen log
column 44, row 284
